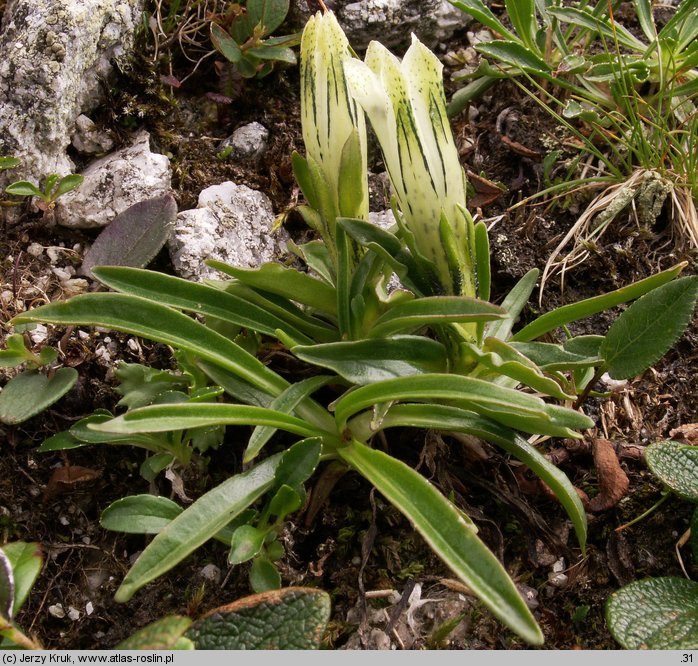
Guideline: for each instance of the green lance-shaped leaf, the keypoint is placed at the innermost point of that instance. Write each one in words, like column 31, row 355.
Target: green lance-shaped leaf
column 16, row 352
column 513, row 304
column 676, row 465
column 447, row 533
column 194, row 297
column 164, row 634
column 551, row 357
column 504, row 405
column 649, row 327
column 605, row 26
column 454, row 419
column 434, row 311
column 139, row 316
column 298, row 463
column 198, row 523
column 286, row 402
column 290, row 619
column 268, row 13
column 286, row 282
column 23, row 188
column 515, row 55
column 181, row 416
column 655, row 614
column 139, row 514
column 68, row 184
column 225, row 44
column 591, row 306
column 367, row 361
column 31, row 392
column 245, row 544
column 522, row 14
column 504, row 359
column 482, row 13
column 25, row 561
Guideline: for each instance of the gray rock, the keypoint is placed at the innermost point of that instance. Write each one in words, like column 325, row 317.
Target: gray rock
column 247, row 142
column 232, row 224
column 391, row 21
column 89, row 139
column 113, row 183
column 56, row 53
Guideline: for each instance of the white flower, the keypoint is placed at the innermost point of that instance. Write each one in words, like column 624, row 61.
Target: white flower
column 406, row 106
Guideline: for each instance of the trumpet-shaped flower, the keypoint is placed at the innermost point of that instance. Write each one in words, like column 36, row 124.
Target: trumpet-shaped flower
column 334, row 172
column 406, row 106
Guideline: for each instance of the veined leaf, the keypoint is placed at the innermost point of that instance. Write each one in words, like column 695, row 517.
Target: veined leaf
column 139, row 514
column 655, row 614
column 366, row 361
column 30, row 392
column 286, row 282
column 591, row 306
column 194, row 297
column 649, row 327
column 164, row 634
column 198, row 523
column 552, row 357
column 434, row 310
column 522, row 14
column 481, row 12
column 676, row 465
column 447, row 533
column 584, row 18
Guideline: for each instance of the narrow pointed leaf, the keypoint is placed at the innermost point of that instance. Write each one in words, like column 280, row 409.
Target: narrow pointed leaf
column 552, row 357
column 225, row 44
column 139, row 514
column 482, row 13
column 515, row 54
column 649, row 327
column 198, row 523
column 591, row 306
column 366, row 361
column 193, row 297
column 434, row 310
column 513, row 304
column 153, row 321
column 447, row 533
column 298, row 463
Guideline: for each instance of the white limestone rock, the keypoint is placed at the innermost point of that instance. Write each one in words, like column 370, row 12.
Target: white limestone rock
column 232, row 224
column 247, row 142
column 114, row 183
column 89, row 139
column 56, row 55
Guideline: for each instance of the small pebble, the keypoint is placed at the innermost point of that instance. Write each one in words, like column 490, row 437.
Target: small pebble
column 63, row 520
column 35, row 249
column 89, row 608
column 56, row 610
column 73, row 614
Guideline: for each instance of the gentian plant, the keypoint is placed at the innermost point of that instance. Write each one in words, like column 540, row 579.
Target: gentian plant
column 433, row 353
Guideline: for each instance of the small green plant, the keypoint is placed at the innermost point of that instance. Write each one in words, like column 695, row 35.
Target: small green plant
column 434, row 353
column 659, row 613
column 33, row 390
column 631, row 106
column 54, row 187
column 244, row 37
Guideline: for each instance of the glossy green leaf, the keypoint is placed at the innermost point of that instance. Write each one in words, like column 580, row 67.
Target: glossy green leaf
column 26, row 560
column 298, row 463
column 366, row 361
column 68, row 184
column 269, row 52
column 643, row 10
column 655, row 614
column 30, row 392
column 270, row 14
column 506, row 360
column 23, row 188
column 285, row 501
column 139, row 384
column 225, row 44
column 513, row 304
column 16, row 352
column 507, row 406
column 434, row 311
column 453, row 419
column 293, row 618
column 235, row 387
column 515, row 55
column 584, row 18
column 551, row 357
column 245, row 544
column 522, row 14
column 138, row 316
column 286, row 402
column 139, row 514
column 193, row 297
column 163, row 634
column 649, row 327
column 83, row 431
column 444, row 529
column 264, row 576
column 591, row 306
column 9, row 162
column 482, row 257
column 481, row 12
column 676, row 465
column 287, row 282
column 198, row 523
column 181, row 416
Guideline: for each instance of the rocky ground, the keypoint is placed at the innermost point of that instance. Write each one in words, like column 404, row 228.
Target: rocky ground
column 153, row 135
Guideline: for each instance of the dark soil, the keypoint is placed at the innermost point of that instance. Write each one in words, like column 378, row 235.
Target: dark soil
column 84, row 563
